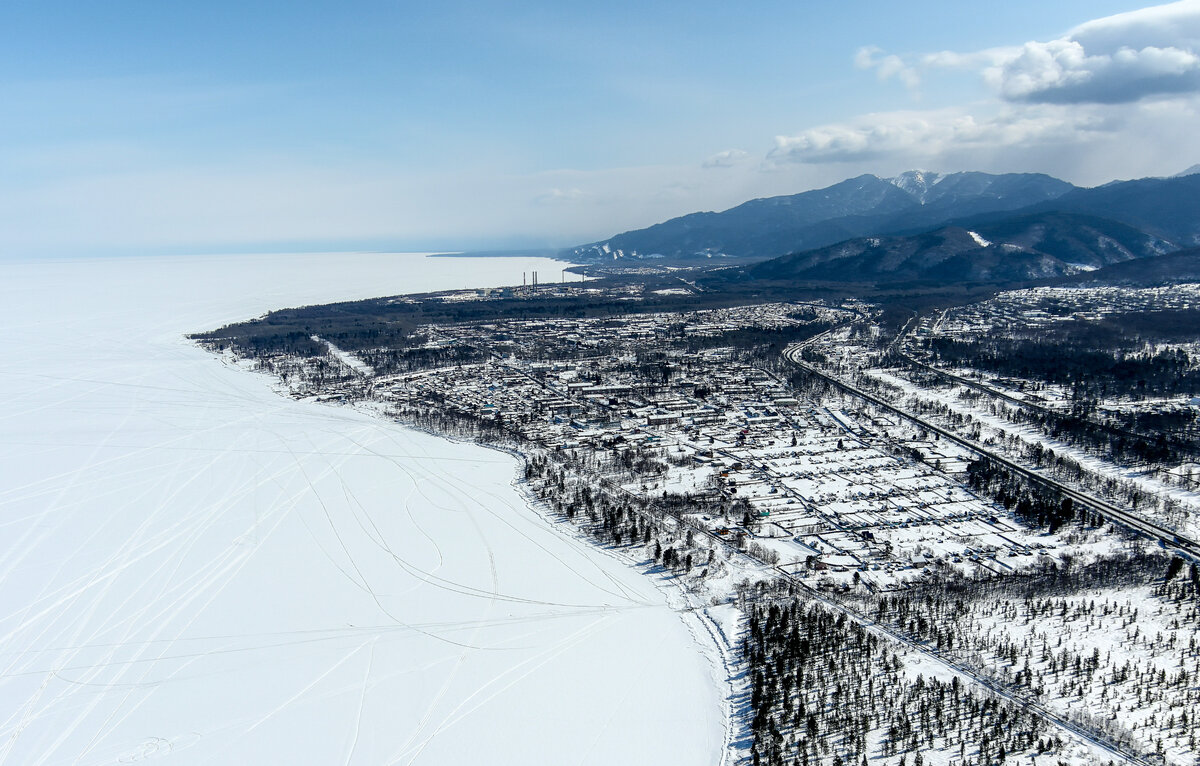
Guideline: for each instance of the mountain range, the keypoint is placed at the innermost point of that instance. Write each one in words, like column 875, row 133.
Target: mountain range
column 866, row 205
column 922, row 226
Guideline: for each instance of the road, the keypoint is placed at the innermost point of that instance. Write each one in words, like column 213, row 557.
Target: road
column 1125, row 517
column 900, row 347
column 999, row 689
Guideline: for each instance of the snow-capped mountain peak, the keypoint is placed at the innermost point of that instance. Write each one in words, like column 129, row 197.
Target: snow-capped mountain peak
column 916, row 182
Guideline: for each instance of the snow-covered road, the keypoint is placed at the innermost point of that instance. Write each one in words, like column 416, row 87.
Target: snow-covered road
column 193, row 567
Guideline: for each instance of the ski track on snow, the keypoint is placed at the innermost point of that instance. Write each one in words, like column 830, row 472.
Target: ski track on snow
column 197, row 569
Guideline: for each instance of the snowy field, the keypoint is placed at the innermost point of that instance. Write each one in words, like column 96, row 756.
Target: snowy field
column 194, row 568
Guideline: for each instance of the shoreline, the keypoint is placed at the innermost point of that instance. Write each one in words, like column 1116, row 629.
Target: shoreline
column 169, row 512
column 711, row 639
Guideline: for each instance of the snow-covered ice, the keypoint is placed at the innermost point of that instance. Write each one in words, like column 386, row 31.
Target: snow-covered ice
column 194, row 567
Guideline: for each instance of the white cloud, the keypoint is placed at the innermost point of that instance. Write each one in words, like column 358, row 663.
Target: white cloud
column 725, row 159
column 1171, row 25
column 887, row 66
column 1086, row 144
column 1062, row 71
column 1116, row 96
column 556, row 195
column 931, row 134
column 1129, row 57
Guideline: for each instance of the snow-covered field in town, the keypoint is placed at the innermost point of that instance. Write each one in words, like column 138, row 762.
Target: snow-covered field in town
column 196, row 568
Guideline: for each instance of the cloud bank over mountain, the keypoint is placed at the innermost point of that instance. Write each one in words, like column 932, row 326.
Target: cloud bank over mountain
column 1117, row 59
column 1068, row 101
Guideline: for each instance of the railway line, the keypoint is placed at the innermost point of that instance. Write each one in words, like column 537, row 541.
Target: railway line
column 900, row 348
column 1110, row 511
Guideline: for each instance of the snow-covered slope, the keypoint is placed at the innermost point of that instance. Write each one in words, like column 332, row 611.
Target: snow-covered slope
column 915, row 182
column 196, row 569
column 862, row 206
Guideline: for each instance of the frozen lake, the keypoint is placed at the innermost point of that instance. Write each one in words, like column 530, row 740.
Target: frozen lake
column 197, row 569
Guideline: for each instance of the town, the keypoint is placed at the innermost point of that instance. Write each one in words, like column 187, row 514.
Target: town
column 835, row 493
column 808, row 450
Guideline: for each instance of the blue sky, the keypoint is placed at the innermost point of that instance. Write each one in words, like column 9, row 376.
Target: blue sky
column 151, row 126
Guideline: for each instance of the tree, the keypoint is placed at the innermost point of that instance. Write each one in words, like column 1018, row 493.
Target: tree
column 1174, row 568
